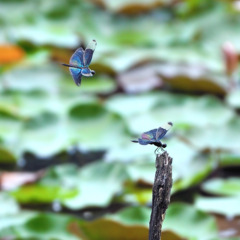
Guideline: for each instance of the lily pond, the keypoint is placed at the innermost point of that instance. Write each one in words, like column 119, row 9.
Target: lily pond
column 68, row 168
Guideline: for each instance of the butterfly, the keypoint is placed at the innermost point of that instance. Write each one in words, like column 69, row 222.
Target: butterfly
column 80, row 61
column 154, row 136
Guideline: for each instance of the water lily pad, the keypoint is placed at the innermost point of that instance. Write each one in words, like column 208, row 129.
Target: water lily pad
column 195, row 111
column 43, row 135
column 46, row 226
column 100, row 179
column 215, row 204
column 225, row 138
column 225, row 187
column 101, row 84
column 32, row 78
column 6, row 155
column 93, row 127
column 10, row 205
column 189, row 222
column 233, row 98
column 42, row 194
column 136, row 220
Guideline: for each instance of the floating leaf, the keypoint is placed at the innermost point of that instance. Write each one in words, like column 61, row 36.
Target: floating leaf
column 46, row 226
column 226, row 187
column 216, row 138
column 231, row 205
column 10, row 205
column 189, row 222
column 193, row 111
column 103, row 180
column 32, row 78
column 139, row 80
column 136, row 221
column 42, row 194
column 50, row 35
column 102, row 85
column 129, row 224
column 95, row 128
column 43, row 135
column 10, row 54
column 233, row 98
column 6, row 155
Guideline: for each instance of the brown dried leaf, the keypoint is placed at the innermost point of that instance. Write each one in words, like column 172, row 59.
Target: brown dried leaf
column 140, row 79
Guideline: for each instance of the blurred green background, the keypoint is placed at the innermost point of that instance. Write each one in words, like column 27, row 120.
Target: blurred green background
column 68, row 168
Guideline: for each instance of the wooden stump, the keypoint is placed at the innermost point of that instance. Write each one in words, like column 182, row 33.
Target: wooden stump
column 160, row 195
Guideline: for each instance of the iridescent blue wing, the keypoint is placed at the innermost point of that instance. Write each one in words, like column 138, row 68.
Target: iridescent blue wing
column 77, row 58
column 88, row 53
column 149, row 136
column 76, row 75
column 161, row 132
column 144, row 141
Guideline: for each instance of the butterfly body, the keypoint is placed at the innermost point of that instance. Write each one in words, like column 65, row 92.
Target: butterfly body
column 154, row 136
column 80, row 61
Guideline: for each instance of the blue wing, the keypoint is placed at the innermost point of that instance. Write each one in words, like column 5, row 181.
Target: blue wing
column 161, row 132
column 77, row 58
column 88, row 53
column 144, row 141
column 76, row 75
column 150, row 135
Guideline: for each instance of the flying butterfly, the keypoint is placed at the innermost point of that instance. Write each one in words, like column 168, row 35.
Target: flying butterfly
column 154, row 136
column 80, row 61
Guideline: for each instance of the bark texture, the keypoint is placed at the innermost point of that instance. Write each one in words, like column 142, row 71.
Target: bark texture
column 161, row 194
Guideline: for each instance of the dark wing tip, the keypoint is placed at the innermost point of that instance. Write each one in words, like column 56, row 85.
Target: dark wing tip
column 135, row 141
column 170, row 123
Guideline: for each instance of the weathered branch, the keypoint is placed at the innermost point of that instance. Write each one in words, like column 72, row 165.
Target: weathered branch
column 161, row 194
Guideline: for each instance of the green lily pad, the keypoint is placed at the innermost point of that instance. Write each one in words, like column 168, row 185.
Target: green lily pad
column 118, row 103
column 91, row 180
column 129, row 224
column 30, row 78
column 225, row 187
column 95, row 85
column 224, row 139
column 215, row 204
column 42, row 194
column 233, row 98
column 178, row 219
column 188, row 222
column 10, row 206
column 189, row 168
column 229, row 159
column 93, row 127
column 10, row 215
column 194, row 111
column 43, row 135
column 50, row 35
column 46, row 226
column 6, row 155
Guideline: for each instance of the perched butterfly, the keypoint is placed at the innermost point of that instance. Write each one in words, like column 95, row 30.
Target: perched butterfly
column 154, row 136
column 80, row 61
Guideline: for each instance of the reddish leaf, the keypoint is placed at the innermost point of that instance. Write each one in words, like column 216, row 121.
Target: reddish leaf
column 10, row 54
